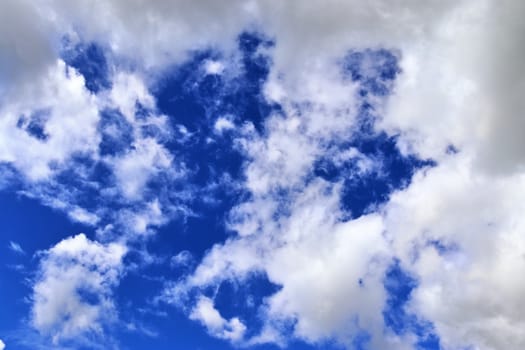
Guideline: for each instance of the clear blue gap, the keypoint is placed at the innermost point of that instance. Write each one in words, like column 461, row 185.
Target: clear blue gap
column 195, row 100
column 374, row 70
column 89, row 59
column 117, row 133
column 399, row 285
column 361, row 341
column 243, row 299
column 35, row 123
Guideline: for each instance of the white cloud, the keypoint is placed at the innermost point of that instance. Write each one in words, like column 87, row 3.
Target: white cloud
column 330, row 272
column 15, row 247
column 81, row 215
column 2, row 345
column 73, row 291
column 127, row 90
column 182, row 259
column 213, row 67
column 222, row 124
column 206, row 313
column 473, row 282
column 70, row 118
column 133, row 170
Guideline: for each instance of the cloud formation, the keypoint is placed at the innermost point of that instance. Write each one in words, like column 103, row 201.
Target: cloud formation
column 72, row 294
column 439, row 82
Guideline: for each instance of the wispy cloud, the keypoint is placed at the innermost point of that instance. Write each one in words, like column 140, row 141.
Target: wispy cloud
column 16, row 248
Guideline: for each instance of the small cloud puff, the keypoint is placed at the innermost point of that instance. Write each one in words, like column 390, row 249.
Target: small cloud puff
column 206, row 313
column 213, row 67
column 222, row 124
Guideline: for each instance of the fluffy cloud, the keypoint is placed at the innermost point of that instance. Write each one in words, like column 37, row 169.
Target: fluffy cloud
column 73, row 291
column 205, row 312
column 2, row 345
column 48, row 122
column 330, row 272
column 466, row 252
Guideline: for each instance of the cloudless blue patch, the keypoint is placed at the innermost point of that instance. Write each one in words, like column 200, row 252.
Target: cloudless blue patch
column 243, row 299
column 399, row 286
column 374, row 71
column 195, row 100
column 451, row 149
column 442, row 247
column 116, row 131
column 361, row 341
column 373, row 189
column 35, row 123
column 90, row 61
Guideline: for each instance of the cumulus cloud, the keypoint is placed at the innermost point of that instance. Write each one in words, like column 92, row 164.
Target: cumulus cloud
column 2, row 345
column 468, row 277
column 48, row 122
column 72, row 294
column 330, row 272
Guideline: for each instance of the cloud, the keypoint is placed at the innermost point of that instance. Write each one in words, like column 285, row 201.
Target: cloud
column 450, row 207
column 16, row 248
column 45, row 124
column 222, row 124
column 330, row 272
column 205, row 312
column 182, row 259
column 468, row 277
column 213, row 67
column 460, row 87
column 72, row 294
column 2, row 345
column 134, row 169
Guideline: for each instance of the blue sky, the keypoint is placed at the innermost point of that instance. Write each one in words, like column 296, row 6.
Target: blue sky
column 261, row 175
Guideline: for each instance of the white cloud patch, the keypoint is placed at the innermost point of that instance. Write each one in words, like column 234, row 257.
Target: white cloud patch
column 472, row 281
column 81, row 215
column 72, row 295
column 182, row 259
column 145, row 159
column 213, row 67
column 66, row 113
column 205, row 312
column 2, row 345
column 222, row 124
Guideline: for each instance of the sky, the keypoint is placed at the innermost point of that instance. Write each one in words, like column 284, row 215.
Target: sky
column 262, row 174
